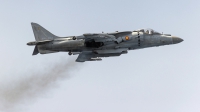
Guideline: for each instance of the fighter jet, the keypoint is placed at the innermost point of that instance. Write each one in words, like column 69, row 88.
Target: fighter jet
column 94, row 46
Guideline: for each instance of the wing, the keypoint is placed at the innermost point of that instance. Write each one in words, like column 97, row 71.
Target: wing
column 95, row 55
column 106, row 37
column 120, row 33
column 99, row 37
column 87, row 56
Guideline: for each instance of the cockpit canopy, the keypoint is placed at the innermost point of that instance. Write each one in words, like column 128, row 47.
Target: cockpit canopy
column 147, row 31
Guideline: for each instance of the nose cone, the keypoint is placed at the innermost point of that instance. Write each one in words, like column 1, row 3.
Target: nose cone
column 176, row 40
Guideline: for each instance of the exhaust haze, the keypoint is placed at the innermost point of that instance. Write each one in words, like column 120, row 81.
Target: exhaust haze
column 33, row 84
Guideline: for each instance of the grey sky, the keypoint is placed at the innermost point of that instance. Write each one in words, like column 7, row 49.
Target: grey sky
column 158, row 79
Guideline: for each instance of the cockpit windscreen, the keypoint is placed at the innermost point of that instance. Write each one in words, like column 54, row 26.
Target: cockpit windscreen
column 148, row 31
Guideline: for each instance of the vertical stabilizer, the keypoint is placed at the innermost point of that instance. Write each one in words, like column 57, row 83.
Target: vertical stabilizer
column 41, row 33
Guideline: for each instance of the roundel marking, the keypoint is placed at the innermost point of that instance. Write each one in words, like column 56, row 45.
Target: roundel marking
column 127, row 37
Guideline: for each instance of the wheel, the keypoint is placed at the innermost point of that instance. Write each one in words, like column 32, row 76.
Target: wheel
column 74, row 38
column 70, row 53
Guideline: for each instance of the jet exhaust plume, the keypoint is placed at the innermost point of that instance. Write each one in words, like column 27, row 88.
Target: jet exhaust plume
column 33, row 84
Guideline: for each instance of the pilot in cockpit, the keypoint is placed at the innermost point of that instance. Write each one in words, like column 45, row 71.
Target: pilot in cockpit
column 150, row 31
column 147, row 32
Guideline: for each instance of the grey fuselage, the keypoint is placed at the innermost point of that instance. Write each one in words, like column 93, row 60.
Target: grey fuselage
column 92, row 46
column 134, row 40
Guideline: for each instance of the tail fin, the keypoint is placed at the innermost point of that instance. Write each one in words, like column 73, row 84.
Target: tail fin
column 41, row 33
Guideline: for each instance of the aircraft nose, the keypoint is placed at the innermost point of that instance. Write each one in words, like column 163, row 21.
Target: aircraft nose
column 176, row 39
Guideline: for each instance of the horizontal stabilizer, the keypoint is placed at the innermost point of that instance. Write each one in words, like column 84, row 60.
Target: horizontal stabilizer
column 35, row 52
column 38, row 42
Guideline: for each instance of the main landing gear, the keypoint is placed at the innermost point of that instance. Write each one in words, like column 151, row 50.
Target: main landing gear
column 70, row 53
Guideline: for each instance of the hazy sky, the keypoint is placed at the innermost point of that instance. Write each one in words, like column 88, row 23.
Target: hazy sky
column 158, row 79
